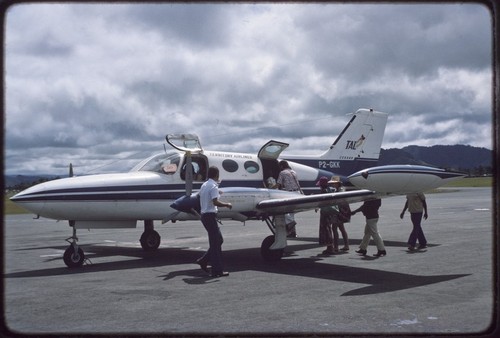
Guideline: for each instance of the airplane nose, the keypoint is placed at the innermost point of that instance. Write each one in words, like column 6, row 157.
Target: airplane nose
column 30, row 199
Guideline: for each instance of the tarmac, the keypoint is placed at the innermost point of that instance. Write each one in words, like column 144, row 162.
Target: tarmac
column 450, row 288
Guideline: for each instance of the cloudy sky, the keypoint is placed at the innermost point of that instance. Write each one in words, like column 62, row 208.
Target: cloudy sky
column 101, row 85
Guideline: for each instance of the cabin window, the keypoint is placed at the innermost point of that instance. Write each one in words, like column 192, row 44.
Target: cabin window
column 252, row 167
column 230, row 165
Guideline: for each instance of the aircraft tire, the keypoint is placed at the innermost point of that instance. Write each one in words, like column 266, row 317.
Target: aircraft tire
column 268, row 254
column 73, row 259
column 150, row 240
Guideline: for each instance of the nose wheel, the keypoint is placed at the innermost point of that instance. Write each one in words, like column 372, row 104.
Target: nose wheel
column 73, row 256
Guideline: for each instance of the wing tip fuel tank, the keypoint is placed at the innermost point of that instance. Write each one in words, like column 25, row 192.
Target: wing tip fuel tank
column 402, row 179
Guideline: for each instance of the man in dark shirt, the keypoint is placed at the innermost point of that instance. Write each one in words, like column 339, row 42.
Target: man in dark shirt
column 370, row 211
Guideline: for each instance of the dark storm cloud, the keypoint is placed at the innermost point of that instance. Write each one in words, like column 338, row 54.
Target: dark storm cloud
column 196, row 24
column 96, row 83
column 416, row 40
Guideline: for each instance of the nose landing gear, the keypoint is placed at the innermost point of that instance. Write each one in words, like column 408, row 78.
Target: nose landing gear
column 73, row 256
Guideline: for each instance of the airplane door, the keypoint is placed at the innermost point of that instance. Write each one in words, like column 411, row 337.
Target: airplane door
column 268, row 156
column 272, row 150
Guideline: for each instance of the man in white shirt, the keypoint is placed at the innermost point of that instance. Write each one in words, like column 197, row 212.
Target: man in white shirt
column 209, row 201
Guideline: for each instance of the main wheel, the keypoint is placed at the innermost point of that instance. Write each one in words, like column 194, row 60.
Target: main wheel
column 150, row 240
column 72, row 258
column 268, row 254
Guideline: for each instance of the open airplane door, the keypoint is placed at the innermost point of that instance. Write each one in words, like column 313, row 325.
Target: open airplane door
column 268, row 156
column 272, row 149
column 185, row 142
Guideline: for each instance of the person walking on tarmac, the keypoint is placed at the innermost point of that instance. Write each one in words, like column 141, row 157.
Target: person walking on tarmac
column 209, row 201
column 417, row 206
column 370, row 211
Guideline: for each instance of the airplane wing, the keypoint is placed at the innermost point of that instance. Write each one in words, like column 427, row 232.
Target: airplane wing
column 309, row 202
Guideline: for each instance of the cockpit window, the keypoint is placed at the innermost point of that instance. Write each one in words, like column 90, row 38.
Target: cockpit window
column 165, row 163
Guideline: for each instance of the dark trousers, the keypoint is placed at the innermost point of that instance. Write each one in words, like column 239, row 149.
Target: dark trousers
column 417, row 232
column 215, row 240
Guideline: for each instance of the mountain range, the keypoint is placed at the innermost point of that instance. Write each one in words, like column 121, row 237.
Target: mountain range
column 457, row 157
column 473, row 160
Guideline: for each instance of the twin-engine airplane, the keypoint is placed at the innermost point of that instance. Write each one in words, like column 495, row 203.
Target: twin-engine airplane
column 160, row 187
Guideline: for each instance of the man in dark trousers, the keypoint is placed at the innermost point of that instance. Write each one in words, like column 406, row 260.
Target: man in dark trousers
column 417, row 206
column 209, row 201
column 370, row 211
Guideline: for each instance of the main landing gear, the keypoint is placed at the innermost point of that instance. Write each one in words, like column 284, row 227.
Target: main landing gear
column 74, row 257
column 150, row 239
column 273, row 246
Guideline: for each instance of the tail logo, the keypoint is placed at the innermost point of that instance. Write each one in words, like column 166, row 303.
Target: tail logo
column 355, row 144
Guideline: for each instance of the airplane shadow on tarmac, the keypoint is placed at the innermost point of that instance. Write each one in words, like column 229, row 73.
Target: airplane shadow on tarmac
column 378, row 281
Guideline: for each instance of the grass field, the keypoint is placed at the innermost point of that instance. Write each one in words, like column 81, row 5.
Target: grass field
column 10, row 208
column 473, row 182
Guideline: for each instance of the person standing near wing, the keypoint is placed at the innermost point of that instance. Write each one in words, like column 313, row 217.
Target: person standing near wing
column 287, row 180
column 209, row 201
column 326, row 216
column 343, row 216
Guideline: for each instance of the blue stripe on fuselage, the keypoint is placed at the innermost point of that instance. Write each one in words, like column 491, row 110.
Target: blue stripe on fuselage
column 141, row 192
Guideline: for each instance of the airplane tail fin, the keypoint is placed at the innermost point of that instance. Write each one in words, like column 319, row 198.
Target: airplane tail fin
column 361, row 139
column 356, row 148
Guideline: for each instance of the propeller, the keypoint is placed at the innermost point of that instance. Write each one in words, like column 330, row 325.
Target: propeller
column 189, row 173
column 190, row 144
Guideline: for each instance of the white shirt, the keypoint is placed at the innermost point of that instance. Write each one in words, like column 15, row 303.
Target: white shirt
column 208, row 191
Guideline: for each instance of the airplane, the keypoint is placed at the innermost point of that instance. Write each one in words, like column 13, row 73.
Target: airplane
column 163, row 186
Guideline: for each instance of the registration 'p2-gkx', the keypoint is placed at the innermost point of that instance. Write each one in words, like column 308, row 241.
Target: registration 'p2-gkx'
column 162, row 187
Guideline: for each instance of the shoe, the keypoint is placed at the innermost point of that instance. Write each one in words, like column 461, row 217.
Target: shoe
column 361, row 251
column 328, row 252
column 411, row 248
column 380, row 253
column 345, row 248
column 292, row 235
column 220, row 274
column 203, row 265
column 420, row 247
